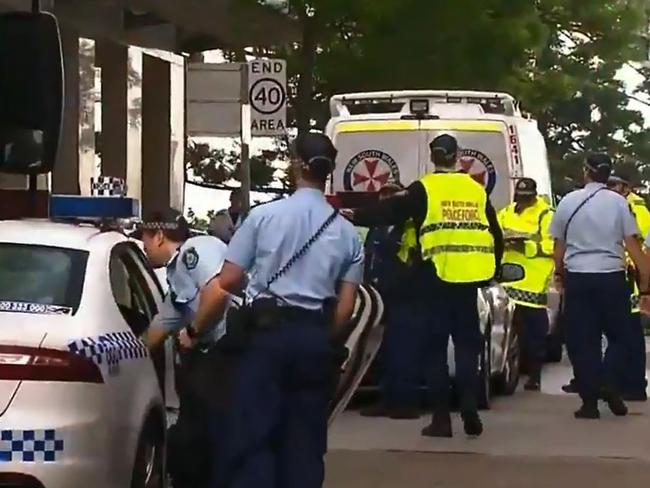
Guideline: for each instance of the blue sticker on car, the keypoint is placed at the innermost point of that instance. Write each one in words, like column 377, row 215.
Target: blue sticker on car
column 111, row 349
column 30, row 446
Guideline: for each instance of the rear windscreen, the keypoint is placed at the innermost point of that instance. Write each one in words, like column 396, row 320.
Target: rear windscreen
column 41, row 275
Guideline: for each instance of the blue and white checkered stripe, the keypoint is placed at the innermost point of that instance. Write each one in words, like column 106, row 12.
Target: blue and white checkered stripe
column 110, row 349
column 29, row 446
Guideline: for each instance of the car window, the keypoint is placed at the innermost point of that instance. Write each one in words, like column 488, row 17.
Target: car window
column 42, row 275
column 130, row 290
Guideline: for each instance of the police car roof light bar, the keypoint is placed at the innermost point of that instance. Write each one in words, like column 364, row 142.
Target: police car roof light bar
column 339, row 103
column 74, row 207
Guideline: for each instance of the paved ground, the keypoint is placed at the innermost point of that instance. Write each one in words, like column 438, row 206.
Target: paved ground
column 531, row 440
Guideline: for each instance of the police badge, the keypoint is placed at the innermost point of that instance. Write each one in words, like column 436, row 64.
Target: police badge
column 190, row 258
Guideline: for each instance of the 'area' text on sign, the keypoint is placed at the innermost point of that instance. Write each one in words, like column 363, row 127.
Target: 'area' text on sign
column 267, row 84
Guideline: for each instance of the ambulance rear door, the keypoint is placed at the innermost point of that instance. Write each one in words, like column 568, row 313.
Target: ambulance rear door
column 483, row 153
column 372, row 153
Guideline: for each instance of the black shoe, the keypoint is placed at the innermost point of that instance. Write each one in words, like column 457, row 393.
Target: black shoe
column 570, row 387
column 472, row 423
column 440, row 426
column 532, row 385
column 404, row 413
column 615, row 404
column 587, row 412
column 375, row 411
column 635, row 397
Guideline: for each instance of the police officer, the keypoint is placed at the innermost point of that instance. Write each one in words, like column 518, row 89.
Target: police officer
column 592, row 228
column 392, row 259
column 305, row 263
column 192, row 266
column 461, row 245
column 525, row 225
column 633, row 380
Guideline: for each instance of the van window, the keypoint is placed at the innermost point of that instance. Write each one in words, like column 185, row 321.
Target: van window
column 42, row 275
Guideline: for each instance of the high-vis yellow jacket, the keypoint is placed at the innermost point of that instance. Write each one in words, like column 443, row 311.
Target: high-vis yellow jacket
column 529, row 244
column 642, row 217
column 455, row 233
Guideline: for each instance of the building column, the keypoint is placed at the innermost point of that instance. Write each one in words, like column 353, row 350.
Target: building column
column 114, row 62
column 65, row 177
column 156, row 134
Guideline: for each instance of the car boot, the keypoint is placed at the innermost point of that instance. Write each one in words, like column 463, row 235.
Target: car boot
column 440, row 425
column 472, row 423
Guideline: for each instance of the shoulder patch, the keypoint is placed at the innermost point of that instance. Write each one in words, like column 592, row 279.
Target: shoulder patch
column 190, row 258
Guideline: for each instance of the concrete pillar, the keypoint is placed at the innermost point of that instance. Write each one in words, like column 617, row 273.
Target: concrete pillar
column 114, row 62
column 156, row 133
column 65, row 177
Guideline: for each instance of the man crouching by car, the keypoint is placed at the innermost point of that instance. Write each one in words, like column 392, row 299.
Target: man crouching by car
column 192, row 266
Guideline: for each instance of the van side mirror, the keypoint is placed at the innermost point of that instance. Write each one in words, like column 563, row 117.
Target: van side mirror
column 31, row 92
column 511, row 273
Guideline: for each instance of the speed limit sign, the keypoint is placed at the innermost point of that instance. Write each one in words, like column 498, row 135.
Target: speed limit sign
column 267, row 85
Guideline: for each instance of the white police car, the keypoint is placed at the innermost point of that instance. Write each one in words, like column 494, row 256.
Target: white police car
column 80, row 397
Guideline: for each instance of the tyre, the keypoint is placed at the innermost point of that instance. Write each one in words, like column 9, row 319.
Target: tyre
column 485, row 379
column 508, row 380
column 148, row 469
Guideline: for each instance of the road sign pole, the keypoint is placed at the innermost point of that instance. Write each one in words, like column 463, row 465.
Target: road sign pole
column 245, row 163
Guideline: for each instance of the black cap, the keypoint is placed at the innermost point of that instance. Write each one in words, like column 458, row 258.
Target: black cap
column 446, row 144
column 166, row 220
column 315, row 148
column 526, row 187
column 599, row 163
column 620, row 175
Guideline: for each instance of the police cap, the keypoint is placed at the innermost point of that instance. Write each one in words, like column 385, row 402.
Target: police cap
column 620, row 175
column 316, row 151
column 599, row 163
column 526, row 187
column 446, row 144
column 169, row 221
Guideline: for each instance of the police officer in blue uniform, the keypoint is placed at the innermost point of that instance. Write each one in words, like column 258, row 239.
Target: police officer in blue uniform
column 192, row 266
column 305, row 263
column 592, row 228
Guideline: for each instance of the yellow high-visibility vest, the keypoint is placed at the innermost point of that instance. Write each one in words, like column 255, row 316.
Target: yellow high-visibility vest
column 409, row 244
column 642, row 217
column 537, row 257
column 455, row 233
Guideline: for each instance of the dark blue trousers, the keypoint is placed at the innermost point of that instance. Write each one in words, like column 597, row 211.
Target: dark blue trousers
column 402, row 352
column 596, row 304
column 452, row 311
column 277, row 429
column 533, row 329
column 633, row 375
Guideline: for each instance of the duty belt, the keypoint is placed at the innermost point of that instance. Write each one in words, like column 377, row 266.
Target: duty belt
column 527, row 296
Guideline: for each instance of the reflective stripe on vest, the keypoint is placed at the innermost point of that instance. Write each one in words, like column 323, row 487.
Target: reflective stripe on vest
column 527, row 297
column 455, row 233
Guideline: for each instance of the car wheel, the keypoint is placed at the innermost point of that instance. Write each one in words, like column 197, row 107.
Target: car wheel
column 508, row 379
column 148, row 470
column 485, row 378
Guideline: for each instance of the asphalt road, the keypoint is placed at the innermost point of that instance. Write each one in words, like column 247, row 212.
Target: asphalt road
column 530, row 439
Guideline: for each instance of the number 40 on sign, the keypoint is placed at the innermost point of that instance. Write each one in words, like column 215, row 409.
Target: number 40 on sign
column 267, row 85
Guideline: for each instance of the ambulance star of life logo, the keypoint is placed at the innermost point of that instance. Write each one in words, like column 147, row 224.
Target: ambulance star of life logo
column 369, row 171
column 479, row 167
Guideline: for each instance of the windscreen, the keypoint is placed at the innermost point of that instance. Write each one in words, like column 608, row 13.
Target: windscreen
column 39, row 275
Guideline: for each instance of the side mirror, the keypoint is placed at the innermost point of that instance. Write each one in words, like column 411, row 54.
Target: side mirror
column 511, row 273
column 31, row 92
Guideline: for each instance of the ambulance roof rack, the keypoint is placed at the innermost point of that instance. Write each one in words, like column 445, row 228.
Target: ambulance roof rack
column 399, row 101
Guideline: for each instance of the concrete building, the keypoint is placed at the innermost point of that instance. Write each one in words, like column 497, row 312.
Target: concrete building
column 139, row 49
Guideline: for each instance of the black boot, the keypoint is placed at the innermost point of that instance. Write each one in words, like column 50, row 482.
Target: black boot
column 570, row 387
column 534, row 382
column 440, row 425
column 615, row 403
column 472, row 423
column 589, row 410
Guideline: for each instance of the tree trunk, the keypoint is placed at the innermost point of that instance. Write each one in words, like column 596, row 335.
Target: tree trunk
column 303, row 102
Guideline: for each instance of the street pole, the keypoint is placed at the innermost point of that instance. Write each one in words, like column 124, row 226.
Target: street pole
column 246, row 137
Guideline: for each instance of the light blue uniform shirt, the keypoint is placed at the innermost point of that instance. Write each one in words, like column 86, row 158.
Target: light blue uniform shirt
column 594, row 242
column 274, row 232
column 195, row 263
